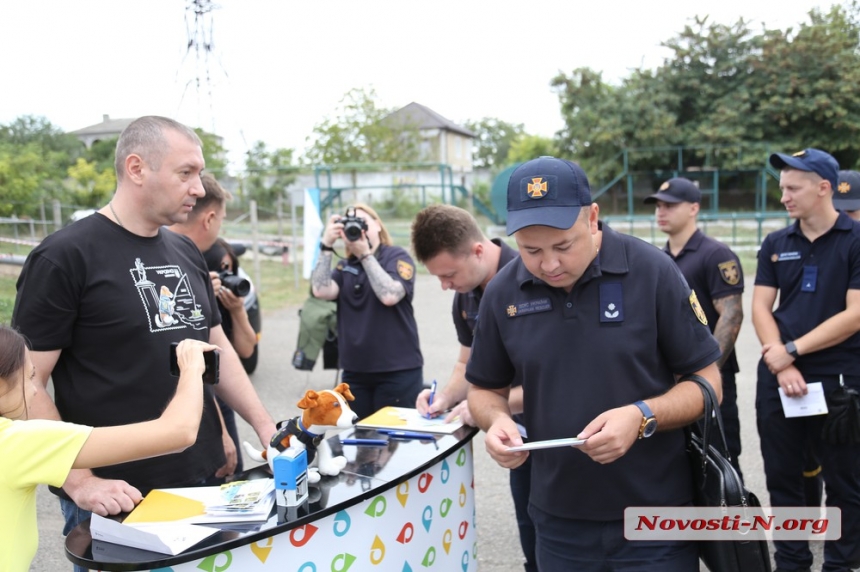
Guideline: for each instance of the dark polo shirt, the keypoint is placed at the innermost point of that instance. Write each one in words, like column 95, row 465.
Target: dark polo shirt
column 813, row 279
column 713, row 271
column 619, row 336
column 373, row 337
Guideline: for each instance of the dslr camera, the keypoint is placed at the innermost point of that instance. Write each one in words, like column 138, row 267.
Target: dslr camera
column 236, row 284
column 352, row 225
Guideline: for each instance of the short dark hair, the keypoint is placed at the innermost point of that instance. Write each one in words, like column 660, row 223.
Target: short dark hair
column 215, row 195
column 443, row 228
column 145, row 137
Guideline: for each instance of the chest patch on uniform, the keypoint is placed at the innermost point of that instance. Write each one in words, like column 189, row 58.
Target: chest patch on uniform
column 405, row 270
column 350, row 269
column 785, row 256
column 730, row 272
column 611, row 303
column 530, row 307
column 697, row 308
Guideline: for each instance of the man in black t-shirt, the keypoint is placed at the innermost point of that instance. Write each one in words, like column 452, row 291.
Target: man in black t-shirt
column 102, row 299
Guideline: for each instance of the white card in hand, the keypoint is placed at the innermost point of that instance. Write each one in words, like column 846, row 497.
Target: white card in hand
column 572, row 441
column 813, row 403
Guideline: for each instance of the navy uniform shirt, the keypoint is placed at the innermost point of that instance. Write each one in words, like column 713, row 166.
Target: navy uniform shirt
column 627, row 326
column 465, row 310
column 373, row 337
column 813, row 279
column 713, row 271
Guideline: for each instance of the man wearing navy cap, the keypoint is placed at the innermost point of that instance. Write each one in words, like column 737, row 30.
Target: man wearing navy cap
column 814, row 267
column 714, row 273
column 595, row 326
column 846, row 196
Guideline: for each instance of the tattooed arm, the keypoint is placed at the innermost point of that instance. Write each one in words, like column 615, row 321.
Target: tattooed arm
column 387, row 289
column 322, row 285
column 728, row 325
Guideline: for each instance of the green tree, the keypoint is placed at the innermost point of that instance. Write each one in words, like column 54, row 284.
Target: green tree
column 358, row 133
column 529, row 147
column 493, row 141
column 267, row 173
column 90, row 186
column 21, row 174
column 213, row 152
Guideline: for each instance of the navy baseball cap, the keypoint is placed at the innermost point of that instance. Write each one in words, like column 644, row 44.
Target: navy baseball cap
column 810, row 160
column 677, row 190
column 846, row 197
column 547, row 192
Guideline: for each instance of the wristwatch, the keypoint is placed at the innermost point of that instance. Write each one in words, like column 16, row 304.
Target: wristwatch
column 791, row 349
column 649, row 422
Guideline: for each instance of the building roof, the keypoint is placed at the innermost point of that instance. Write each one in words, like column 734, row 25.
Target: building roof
column 425, row 118
column 108, row 126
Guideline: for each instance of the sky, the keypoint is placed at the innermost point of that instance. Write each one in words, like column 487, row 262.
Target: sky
column 277, row 68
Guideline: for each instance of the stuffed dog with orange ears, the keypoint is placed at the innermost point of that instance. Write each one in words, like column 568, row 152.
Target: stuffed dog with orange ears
column 323, row 410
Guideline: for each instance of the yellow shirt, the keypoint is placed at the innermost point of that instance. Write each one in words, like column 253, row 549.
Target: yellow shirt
column 34, row 452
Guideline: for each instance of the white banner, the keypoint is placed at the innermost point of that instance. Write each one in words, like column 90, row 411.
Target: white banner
column 732, row 523
column 313, row 227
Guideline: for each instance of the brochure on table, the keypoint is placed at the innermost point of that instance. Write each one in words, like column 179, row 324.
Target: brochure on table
column 407, row 419
column 168, row 520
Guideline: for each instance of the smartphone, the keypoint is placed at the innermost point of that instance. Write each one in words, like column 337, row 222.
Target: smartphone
column 211, row 359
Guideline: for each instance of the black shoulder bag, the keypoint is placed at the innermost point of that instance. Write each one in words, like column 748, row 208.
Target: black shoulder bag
column 716, row 483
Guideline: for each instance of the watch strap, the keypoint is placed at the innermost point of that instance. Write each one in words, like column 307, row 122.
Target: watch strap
column 791, row 349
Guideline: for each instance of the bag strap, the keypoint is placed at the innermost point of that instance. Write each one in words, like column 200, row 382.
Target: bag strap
column 712, row 414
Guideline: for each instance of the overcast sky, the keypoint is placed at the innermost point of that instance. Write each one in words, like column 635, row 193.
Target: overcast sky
column 278, row 67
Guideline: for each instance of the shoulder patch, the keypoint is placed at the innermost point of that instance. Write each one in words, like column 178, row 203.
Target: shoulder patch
column 405, row 270
column 730, row 272
column 697, row 308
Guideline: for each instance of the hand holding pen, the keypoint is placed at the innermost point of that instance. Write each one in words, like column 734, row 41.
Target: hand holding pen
column 431, row 398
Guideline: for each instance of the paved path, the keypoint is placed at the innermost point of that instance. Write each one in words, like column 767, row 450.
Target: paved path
column 281, row 386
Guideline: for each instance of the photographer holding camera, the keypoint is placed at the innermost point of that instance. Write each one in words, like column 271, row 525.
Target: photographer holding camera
column 373, row 285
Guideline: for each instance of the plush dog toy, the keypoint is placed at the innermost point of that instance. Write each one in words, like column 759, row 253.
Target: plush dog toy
column 323, row 410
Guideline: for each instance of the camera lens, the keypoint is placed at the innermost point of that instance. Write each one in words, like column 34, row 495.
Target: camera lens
column 236, row 284
column 352, row 231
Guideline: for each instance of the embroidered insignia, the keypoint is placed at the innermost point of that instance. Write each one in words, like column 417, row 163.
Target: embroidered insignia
column 697, row 308
column 730, row 272
column 799, row 154
column 530, row 307
column 537, row 188
column 664, row 186
column 774, row 257
column 512, row 311
column 405, row 270
column 844, row 187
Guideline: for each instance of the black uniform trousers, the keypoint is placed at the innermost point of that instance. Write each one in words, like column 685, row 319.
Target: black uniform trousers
column 783, row 441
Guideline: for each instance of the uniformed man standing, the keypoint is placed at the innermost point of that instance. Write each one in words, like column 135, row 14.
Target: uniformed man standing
column 714, row 273
column 595, row 325
column 814, row 266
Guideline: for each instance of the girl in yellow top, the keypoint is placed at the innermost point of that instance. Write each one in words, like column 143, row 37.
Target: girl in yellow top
column 40, row 451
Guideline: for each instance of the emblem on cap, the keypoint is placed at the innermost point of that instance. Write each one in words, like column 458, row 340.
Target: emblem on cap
column 537, row 188
column 697, row 308
column 844, row 187
column 799, row 153
column 664, row 186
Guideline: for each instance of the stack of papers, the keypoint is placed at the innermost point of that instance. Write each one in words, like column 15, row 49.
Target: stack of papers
column 244, row 498
column 407, row 419
column 167, row 520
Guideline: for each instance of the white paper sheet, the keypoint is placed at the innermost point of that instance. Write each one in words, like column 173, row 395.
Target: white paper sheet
column 813, row 403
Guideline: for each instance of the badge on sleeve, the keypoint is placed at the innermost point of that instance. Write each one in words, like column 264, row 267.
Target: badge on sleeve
column 730, row 272
column 697, row 308
column 405, row 270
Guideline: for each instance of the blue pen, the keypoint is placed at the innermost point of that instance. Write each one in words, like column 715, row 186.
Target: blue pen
column 396, row 434
column 365, row 442
column 432, row 395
